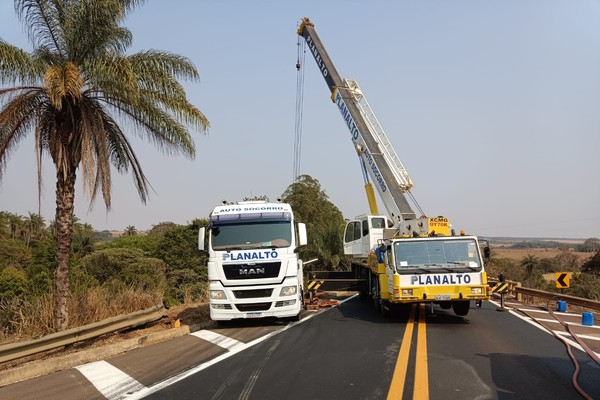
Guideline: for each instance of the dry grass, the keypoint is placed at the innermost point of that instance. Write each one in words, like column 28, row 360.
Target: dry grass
column 518, row 254
column 25, row 320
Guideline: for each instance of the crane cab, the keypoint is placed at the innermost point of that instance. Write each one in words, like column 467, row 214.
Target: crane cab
column 362, row 234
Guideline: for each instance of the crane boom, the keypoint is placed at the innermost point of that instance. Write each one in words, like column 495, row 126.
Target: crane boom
column 371, row 143
column 416, row 261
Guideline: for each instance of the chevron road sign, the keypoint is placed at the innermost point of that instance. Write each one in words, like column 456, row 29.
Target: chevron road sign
column 563, row 279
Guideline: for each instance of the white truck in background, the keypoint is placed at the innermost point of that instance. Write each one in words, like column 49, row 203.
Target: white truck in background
column 253, row 266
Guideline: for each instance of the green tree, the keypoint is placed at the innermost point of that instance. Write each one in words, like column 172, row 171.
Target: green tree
column 592, row 265
column 324, row 221
column 14, row 253
column 129, row 266
column 76, row 91
column 130, row 231
column 13, row 283
column 83, row 240
column 586, row 285
column 567, row 260
column 591, row 245
column 529, row 262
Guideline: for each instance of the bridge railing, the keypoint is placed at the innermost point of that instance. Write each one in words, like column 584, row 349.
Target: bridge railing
column 527, row 295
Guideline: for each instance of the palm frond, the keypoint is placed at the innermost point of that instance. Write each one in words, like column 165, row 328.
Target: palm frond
column 18, row 66
column 17, row 118
column 42, row 19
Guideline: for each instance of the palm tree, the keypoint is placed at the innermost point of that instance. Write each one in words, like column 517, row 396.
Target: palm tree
column 15, row 225
column 3, row 224
column 77, row 91
column 529, row 262
column 83, row 240
column 130, row 231
column 37, row 225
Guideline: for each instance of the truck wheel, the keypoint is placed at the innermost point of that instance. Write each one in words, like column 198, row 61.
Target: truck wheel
column 461, row 308
column 295, row 318
column 385, row 309
column 375, row 292
column 364, row 287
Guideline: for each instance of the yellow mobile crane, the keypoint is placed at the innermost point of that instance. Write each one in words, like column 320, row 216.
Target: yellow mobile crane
column 399, row 257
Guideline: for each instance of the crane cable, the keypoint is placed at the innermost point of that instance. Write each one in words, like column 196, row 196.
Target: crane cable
column 299, row 106
column 415, row 203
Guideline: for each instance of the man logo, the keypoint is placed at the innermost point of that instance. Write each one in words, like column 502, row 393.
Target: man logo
column 252, row 271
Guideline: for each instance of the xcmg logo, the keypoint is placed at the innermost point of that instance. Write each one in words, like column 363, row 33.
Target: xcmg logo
column 255, row 255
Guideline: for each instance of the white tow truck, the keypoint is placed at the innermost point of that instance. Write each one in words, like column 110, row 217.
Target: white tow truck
column 253, row 266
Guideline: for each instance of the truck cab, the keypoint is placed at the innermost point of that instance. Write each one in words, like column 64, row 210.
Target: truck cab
column 253, row 268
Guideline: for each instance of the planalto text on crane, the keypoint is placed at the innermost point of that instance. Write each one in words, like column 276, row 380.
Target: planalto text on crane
column 452, row 279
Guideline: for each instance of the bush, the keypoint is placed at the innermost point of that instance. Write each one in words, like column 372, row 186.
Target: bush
column 130, row 266
column 14, row 253
column 13, row 283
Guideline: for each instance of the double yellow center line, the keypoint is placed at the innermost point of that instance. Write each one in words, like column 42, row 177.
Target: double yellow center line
column 421, row 384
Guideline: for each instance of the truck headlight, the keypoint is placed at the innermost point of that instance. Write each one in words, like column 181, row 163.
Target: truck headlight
column 218, row 295
column 288, row 291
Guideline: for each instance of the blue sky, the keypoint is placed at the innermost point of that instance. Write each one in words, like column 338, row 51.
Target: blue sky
column 492, row 106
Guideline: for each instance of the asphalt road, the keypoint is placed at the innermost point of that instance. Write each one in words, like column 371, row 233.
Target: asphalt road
column 347, row 352
column 351, row 352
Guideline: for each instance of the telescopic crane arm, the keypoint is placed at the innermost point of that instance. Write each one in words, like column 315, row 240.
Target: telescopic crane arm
column 378, row 158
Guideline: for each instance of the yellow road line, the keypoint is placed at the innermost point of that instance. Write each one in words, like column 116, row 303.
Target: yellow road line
column 421, row 388
column 397, row 385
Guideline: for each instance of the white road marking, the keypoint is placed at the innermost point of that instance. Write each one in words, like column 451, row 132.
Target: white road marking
column 539, row 326
column 168, row 382
column 589, row 337
column 109, row 380
column 218, row 339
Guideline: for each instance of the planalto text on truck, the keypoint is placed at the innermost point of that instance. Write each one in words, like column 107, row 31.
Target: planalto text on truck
column 253, row 265
column 398, row 257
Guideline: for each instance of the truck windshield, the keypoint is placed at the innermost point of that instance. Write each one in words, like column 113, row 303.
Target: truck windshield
column 437, row 255
column 250, row 231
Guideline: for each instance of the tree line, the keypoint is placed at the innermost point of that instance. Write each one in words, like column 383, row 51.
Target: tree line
column 591, row 245
column 134, row 271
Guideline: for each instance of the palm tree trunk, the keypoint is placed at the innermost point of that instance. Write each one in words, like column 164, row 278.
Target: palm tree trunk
column 65, row 203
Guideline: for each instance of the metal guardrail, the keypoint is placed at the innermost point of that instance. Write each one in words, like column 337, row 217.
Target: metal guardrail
column 515, row 289
column 576, row 301
column 13, row 351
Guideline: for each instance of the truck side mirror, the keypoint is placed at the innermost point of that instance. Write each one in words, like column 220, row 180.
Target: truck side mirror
column 486, row 252
column 302, row 237
column 201, row 234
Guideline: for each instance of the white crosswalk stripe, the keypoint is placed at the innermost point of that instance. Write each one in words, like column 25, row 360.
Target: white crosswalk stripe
column 109, row 380
column 218, row 339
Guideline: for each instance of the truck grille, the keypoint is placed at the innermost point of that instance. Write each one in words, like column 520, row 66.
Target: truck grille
column 253, row 307
column 252, row 271
column 252, row 294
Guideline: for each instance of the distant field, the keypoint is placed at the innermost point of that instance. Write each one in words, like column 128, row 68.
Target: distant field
column 518, row 254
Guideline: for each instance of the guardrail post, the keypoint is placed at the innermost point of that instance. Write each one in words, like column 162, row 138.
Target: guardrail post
column 518, row 294
column 502, row 293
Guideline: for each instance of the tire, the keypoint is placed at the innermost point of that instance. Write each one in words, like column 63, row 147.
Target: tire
column 375, row 291
column 386, row 309
column 461, row 308
column 295, row 318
